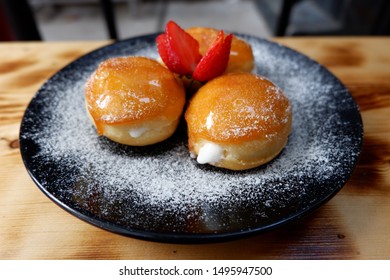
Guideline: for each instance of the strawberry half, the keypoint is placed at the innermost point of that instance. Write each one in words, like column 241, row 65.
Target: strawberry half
column 215, row 60
column 178, row 49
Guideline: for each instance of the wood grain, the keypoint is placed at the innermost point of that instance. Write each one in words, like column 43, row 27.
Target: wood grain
column 355, row 224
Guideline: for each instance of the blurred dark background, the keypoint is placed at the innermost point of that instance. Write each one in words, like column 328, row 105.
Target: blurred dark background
column 327, row 17
column 119, row 19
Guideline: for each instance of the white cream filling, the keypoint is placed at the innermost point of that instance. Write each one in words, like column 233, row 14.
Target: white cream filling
column 137, row 132
column 210, row 153
column 156, row 127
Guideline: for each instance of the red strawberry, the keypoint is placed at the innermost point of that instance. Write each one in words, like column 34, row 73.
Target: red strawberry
column 215, row 60
column 178, row 49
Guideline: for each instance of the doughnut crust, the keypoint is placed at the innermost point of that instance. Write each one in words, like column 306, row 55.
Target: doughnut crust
column 241, row 58
column 238, row 121
column 134, row 100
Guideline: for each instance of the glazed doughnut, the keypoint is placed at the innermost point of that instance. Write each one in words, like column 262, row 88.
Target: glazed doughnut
column 134, row 100
column 241, row 58
column 238, row 121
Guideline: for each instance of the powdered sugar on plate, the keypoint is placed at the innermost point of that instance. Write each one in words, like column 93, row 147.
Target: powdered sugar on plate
column 160, row 190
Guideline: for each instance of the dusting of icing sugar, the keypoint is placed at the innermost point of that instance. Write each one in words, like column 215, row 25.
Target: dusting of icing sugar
column 250, row 110
column 165, row 184
column 103, row 101
column 155, row 83
column 145, row 99
column 209, row 120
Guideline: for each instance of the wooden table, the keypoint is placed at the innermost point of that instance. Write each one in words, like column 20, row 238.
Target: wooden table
column 355, row 224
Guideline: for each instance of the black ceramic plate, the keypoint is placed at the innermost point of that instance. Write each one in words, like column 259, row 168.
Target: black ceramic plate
column 159, row 193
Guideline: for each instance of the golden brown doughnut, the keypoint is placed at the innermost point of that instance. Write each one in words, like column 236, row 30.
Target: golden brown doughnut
column 238, row 121
column 241, row 57
column 134, row 100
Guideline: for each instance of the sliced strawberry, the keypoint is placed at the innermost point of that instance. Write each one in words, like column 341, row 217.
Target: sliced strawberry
column 178, row 49
column 215, row 60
